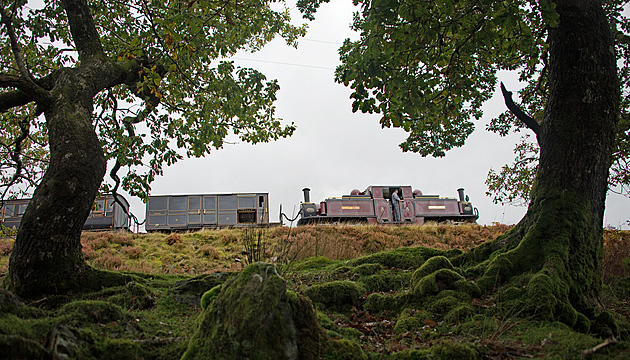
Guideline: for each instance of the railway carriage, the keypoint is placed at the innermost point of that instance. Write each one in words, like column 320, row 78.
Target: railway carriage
column 106, row 215
column 183, row 212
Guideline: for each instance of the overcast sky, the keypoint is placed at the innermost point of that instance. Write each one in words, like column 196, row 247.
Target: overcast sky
column 334, row 150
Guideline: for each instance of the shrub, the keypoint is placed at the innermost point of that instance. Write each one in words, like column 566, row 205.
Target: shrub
column 133, row 252
column 173, row 238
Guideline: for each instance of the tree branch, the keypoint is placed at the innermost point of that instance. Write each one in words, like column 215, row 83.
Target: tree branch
column 84, row 34
column 25, row 82
column 526, row 119
column 15, row 47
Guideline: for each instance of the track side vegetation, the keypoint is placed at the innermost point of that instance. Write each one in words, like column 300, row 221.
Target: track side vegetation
column 373, row 293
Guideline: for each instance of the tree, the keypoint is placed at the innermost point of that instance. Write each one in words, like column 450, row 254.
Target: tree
column 428, row 66
column 123, row 81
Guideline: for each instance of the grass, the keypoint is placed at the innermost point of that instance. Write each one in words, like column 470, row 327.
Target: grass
column 147, row 319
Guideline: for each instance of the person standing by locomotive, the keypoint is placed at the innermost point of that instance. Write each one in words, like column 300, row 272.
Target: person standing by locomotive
column 396, row 206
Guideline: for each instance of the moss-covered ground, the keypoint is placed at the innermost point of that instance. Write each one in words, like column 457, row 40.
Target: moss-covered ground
column 379, row 292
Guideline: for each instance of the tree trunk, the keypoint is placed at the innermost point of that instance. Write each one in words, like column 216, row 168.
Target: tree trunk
column 559, row 241
column 47, row 257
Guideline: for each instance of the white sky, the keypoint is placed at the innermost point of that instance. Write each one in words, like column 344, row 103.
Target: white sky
column 334, row 150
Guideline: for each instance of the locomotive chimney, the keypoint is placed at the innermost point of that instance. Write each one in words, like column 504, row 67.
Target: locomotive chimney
column 461, row 194
column 307, row 195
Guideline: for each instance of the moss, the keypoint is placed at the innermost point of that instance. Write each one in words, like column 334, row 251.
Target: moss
column 582, row 324
column 402, row 258
column 310, row 335
column 541, row 297
column 314, row 263
column 134, row 296
column 114, row 349
column 17, row 347
column 189, row 291
column 13, row 325
column 92, row 311
column 368, row 269
column 467, row 287
column 377, row 303
column 497, row 271
column 444, row 305
column 338, row 295
column 9, row 303
column 210, row 296
column 430, row 266
column 343, row 349
column 605, row 325
column 451, row 350
column 342, row 270
column 511, row 293
column 435, row 282
column 448, row 350
column 97, row 279
column 459, row 313
column 254, row 317
column 412, row 320
column 565, row 313
column 386, row 281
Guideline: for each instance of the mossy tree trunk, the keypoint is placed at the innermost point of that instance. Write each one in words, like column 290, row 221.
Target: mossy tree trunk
column 560, row 237
column 47, row 254
column 46, row 257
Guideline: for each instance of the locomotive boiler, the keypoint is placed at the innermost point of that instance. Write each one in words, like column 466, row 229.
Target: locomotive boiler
column 374, row 205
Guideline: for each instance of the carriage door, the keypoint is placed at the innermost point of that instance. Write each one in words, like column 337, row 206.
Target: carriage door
column 177, row 211
column 210, row 210
column 194, row 210
column 157, row 208
column 262, row 210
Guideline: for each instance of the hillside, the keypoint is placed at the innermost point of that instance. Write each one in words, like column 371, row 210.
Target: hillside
column 358, row 277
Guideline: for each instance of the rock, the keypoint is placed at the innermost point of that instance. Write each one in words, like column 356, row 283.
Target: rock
column 254, row 317
column 189, row 291
column 9, row 302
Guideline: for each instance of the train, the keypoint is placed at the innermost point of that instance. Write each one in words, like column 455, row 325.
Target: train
column 187, row 212
column 374, row 205
column 191, row 212
column 106, row 214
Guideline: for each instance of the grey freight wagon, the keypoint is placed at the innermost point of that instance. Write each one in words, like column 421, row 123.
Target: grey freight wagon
column 182, row 212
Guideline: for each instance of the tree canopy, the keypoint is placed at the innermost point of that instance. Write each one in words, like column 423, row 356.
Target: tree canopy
column 179, row 95
column 429, row 66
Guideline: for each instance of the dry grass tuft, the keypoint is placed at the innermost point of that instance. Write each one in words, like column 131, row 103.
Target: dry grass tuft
column 173, row 238
column 133, row 252
column 616, row 254
column 209, row 251
column 5, row 247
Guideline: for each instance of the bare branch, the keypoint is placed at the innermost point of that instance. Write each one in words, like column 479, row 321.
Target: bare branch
column 526, row 119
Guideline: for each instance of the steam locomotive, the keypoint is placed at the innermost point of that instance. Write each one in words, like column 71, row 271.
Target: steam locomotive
column 374, row 206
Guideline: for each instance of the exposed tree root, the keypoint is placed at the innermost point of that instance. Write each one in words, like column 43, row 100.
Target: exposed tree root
column 552, row 260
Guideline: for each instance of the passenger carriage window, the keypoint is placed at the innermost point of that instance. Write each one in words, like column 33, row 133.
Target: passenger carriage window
column 261, row 201
column 98, row 206
column 22, row 209
column 8, row 211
